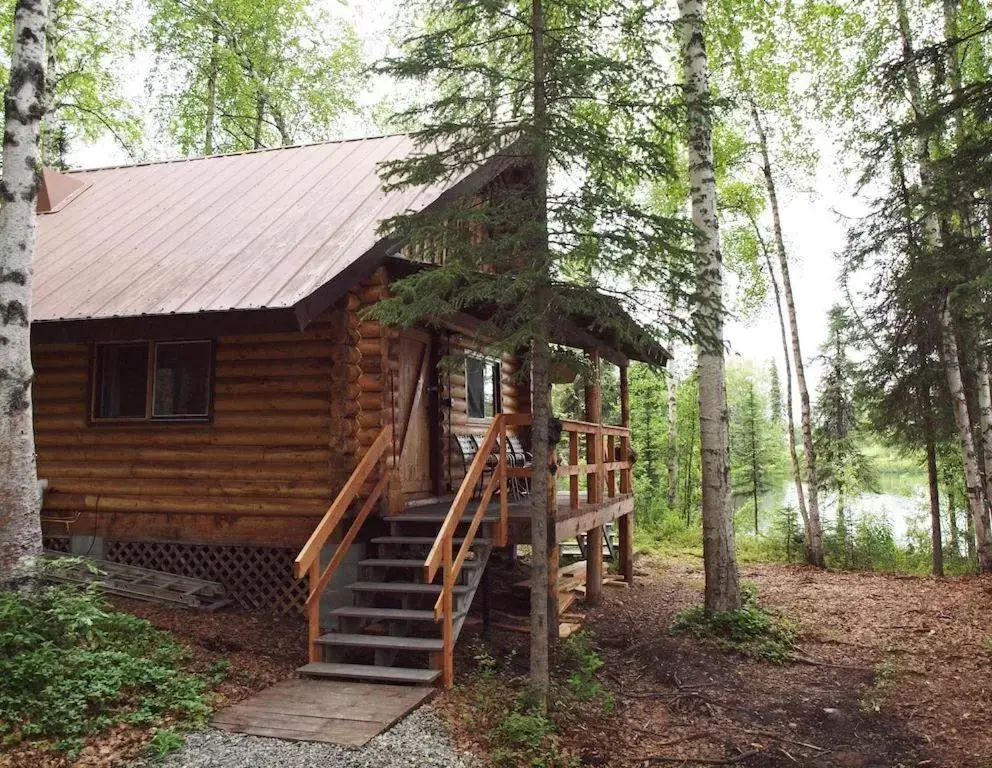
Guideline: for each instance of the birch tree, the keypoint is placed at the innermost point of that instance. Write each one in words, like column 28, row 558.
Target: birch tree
column 719, row 558
column 20, row 523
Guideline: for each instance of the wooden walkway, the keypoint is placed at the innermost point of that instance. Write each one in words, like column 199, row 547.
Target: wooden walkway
column 330, row 711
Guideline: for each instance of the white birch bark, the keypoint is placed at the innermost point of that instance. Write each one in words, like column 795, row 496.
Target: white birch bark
column 813, row 525
column 673, row 437
column 20, row 524
column 949, row 347
column 719, row 558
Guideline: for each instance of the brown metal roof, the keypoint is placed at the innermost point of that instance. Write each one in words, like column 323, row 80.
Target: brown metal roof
column 258, row 230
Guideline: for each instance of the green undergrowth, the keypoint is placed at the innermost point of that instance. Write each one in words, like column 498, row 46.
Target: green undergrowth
column 70, row 667
column 503, row 710
column 753, row 630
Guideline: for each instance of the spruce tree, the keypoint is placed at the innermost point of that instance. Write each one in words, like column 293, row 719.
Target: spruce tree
column 570, row 101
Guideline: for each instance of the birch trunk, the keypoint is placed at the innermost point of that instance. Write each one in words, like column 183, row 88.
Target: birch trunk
column 542, row 534
column 20, row 523
column 985, row 420
column 949, row 347
column 814, row 527
column 673, row 438
column 719, row 559
column 797, row 474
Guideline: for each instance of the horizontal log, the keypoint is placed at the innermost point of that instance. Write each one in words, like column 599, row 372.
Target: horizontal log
column 219, row 488
column 56, row 471
column 67, row 502
column 370, row 347
column 175, row 435
column 273, row 385
column 279, row 403
column 53, row 348
column 201, row 455
column 370, row 401
column 316, row 331
column 301, row 350
column 278, row 370
column 370, row 419
column 270, row 530
column 370, row 329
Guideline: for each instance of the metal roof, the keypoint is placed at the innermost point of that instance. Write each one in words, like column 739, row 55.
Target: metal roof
column 257, row 230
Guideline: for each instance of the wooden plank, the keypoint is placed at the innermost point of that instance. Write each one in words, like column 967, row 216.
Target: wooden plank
column 337, row 712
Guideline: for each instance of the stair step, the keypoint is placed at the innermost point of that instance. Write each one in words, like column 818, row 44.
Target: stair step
column 396, row 614
column 401, row 587
column 370, row 672
column 388, row 563
column 477, row 542
column 382, row 641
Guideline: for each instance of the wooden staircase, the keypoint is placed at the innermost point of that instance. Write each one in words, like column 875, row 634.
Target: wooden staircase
column 414, row 590
column 390, row 634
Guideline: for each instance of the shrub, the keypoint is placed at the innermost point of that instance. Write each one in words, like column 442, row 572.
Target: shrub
column 70, row 666
column 753, row 630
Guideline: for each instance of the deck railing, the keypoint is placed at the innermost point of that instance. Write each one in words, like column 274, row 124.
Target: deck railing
column 308, row 561
column 442, row 556
column 600, row 439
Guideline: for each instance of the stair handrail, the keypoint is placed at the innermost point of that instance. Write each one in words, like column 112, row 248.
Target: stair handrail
column 308, row 560
column 442, row 556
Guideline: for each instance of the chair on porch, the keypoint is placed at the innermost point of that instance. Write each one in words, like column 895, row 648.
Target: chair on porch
column 520, row 486
column 468, row 445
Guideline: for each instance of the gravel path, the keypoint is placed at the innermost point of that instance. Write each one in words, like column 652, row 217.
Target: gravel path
column 417, row 741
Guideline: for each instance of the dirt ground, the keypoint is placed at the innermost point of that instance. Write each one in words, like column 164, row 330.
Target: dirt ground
column 890, row 671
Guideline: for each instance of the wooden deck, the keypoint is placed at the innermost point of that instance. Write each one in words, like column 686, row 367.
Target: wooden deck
column 329, row 711
column 569, row 522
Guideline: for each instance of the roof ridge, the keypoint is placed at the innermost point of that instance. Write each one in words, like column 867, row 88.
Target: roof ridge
column 301, row 145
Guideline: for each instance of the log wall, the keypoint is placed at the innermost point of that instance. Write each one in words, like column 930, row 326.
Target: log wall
column 292, row 413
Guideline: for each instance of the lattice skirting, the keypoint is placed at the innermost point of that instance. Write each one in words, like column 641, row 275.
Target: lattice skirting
column 257, row 577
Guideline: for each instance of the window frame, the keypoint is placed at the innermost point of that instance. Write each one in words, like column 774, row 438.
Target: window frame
column 149, row 416
column 490, row 363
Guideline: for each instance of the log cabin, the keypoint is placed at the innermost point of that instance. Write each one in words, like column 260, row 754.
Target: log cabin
column 210, row 400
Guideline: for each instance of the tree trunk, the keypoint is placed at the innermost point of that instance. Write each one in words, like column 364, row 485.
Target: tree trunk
column 211, row 116
column 256, row 136
column 719, row 560
column 949, row 347
column 952, row 523
column 814, row 528
column 985, row 420
column 48, row 137
column 972, row 475
column 754, row 455
column 20, row 523
column 934, row 481
column 541, row 532
column 797, row 474
column 673, row 437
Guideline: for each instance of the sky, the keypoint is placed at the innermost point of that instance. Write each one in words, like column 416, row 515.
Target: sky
column 814, row 232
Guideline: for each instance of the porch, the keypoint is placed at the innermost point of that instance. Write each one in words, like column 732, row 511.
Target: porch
column 425, row 573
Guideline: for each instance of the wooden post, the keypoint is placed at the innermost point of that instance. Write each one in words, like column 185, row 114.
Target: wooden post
column 594, row 456
column 553, row 558
column 573, row 461
column 627, row 521
column 313, row 612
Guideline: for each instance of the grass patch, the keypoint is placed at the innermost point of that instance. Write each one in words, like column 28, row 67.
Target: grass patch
column 70, row 667
column 753, row 630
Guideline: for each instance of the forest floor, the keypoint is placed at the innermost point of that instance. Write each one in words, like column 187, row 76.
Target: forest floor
column 890, row 670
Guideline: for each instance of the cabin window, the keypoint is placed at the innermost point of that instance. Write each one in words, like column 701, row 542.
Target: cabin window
column 482, row 385
column 153, row 381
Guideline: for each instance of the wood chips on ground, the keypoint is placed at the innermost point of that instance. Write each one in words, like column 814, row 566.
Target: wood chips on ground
column 891, row 670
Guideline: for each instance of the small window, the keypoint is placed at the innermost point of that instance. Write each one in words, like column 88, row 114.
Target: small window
column 482, row 384
column 153, row 381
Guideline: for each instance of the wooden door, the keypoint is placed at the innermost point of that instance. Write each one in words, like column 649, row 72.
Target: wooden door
column 413, row 415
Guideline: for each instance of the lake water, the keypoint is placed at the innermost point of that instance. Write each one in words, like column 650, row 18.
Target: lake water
column 900, row 506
